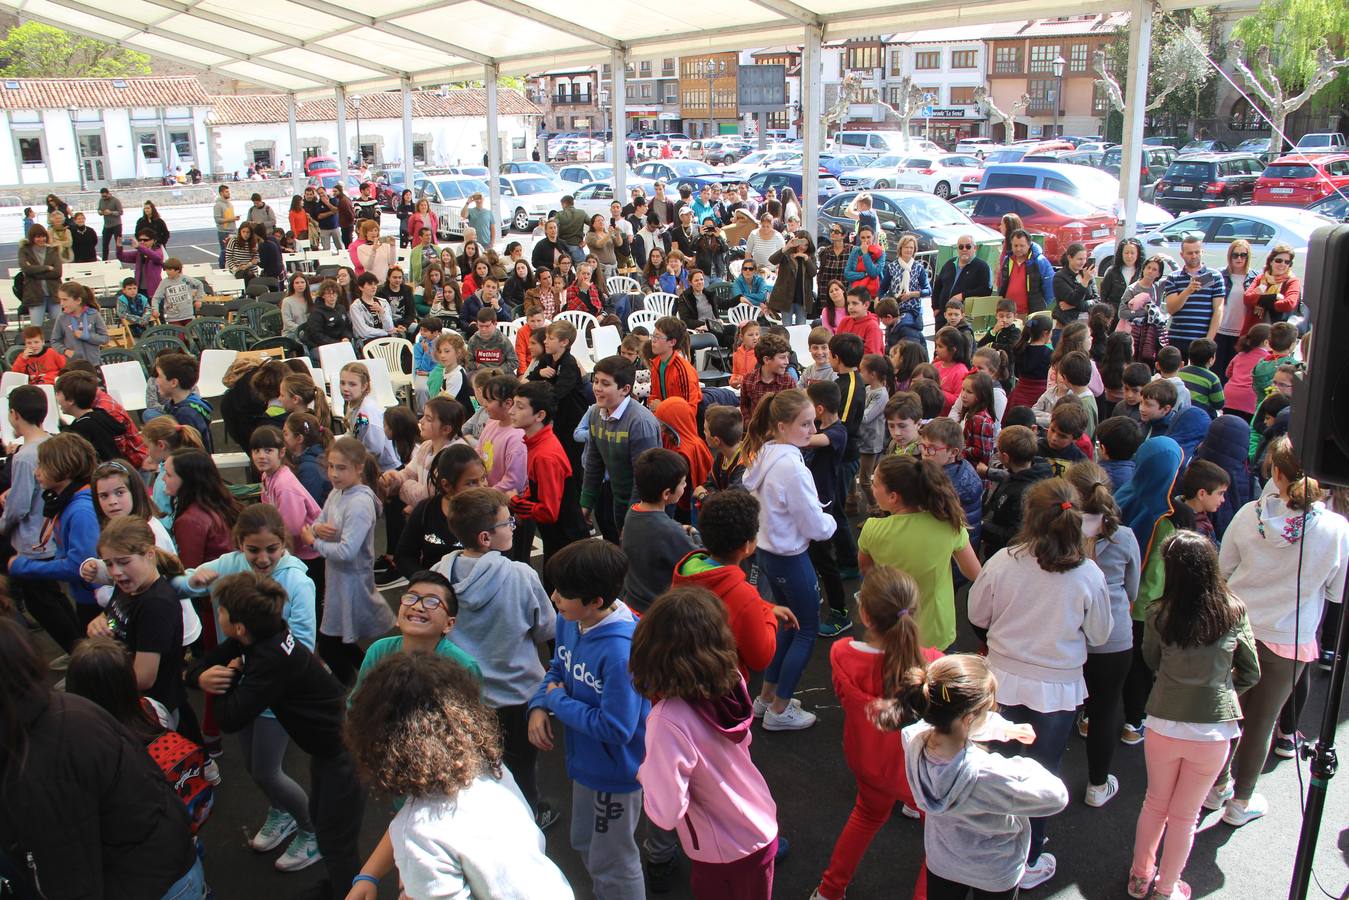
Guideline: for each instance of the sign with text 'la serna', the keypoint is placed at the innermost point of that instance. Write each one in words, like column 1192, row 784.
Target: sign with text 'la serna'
column 761, row 89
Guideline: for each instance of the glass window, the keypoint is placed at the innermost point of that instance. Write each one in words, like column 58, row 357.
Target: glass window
column 863, row 58
column 1177, row 230
column 896, row 63
column 1229, row 230
column 964, row 59
column 181, row 141
column 1042, row 57
column 927, row 60
column 1060, row 185
column 1008, row 180
column 30, row 151
column 1077, row 58
column 1100, row 99
column 148, row 141
column 1007, row 60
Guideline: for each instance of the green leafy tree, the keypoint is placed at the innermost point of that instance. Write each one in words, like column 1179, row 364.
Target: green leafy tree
column 35, row 50
column 1181, row 81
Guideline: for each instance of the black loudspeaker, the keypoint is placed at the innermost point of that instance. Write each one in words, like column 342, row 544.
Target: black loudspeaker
column 1320, row 423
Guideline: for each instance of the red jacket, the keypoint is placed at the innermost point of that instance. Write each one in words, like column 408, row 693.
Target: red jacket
column 868, row 328
column 749, row 615
column 875, row 757
column 40, row 369
column 1290, row 290
column 548, row 471
column 680, row 379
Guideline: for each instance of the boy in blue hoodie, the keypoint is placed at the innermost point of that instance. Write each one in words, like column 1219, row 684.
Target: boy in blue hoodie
column 176, row 380
column 65, row 463
column 1117, row 440
column 589, row 690
column 504, row 618
column 424, row 356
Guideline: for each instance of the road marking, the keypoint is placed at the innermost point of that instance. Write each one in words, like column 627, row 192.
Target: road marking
column 213, row 250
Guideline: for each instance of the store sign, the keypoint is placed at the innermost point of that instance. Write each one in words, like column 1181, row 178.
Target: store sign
column 951, row 112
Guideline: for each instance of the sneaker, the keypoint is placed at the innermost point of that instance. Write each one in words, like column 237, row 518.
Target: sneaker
column 1180, row 891
column 1218, row 795
column 761, row 707
column 1082, row 726
column 835, row 625
column 386, row 576
column 302, row 853
column 793, row 718
column 1042, row 871
column 1140, row 887
column 278, row 826
column 1099, row 795
column 546, row 817
column 1236, row 813
column 1285, row 745
column 211, row 772
column 660, row 876
column 1326, row 660
column 909, row 811
column 1131, row 736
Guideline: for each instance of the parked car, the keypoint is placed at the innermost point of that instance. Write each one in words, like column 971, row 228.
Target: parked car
column 935, row 222
column 838, row 163
column 1208, row 179
column 321, row 165
column 329, row 180
column 527, row 200
column 880, row 168
column 881, row 142
column 482, row 173
column 1095, row 187
column 596, row 196
column 447, row 194
column 1323, row 142
column 582, row 173
column 754, row 161
column 724, row 150
column 1164, row 140
column 1061, row 218
column 1155, row 159
column 678, row 172
column 1091, row 158
column 1205, row 147
column 1334, row 207
column 389, row 187
column 1096, row 146
column 792, row 178
column 527, row 167
column 940, row 175
column 1298, row 179
column 1262, row 226
column 979, row 146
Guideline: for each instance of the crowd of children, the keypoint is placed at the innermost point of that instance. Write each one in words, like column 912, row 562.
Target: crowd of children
column 1129, row 523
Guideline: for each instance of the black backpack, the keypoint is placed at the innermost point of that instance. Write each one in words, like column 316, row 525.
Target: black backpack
column 19, row 279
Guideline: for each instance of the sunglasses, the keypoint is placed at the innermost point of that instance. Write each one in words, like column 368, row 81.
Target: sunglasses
column 429, row 602
column 1241, row 256
column 1281, row 261
column 964, row 246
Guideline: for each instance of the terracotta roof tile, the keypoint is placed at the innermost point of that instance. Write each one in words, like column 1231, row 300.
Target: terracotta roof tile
column 248, row 109
column 102, row 93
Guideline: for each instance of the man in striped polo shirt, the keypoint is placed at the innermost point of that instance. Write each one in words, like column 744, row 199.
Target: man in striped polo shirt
column 1193, row 297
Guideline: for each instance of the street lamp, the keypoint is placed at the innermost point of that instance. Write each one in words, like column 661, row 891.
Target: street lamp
column 356, row 105
column 1059, row 65
column 79, row 151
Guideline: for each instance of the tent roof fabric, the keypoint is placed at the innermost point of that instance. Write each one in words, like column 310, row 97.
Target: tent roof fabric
column 250, row 109
column 312, row 47
column 102, row 93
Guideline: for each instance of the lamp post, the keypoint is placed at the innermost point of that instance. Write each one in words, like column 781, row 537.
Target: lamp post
column 1059, row 65
column 711, row 104
column 355, row 100
column 79, row 152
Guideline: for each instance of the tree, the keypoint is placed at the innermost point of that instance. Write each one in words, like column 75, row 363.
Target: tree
column 35, row 50
column 1278, row 100
column 910, row 97
column 1174, row 64
column 1181, row 83
column 1296, row 30
column 985, row 102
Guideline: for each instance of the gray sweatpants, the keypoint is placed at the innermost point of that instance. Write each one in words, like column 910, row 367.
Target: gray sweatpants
column 603, row 831
column 264, row 744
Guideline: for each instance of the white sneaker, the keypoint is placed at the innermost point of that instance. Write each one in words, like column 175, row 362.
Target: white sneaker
column 211, row 772
column 1236, row 813
column 1218, row 795
column 302, row 853
column 1099, row 794
column 1042, row 871
column 761, row 707
column 793, row 718
column 277, row 827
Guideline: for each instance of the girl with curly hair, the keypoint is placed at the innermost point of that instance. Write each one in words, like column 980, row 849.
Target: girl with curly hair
column 418, row 730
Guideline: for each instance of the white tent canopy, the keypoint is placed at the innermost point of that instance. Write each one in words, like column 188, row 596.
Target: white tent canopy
column 312, row 47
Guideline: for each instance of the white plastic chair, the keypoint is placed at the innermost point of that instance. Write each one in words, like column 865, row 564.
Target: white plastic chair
column 604, row 341
column 583, row 321
column 741, row 313
column 214, row 365
column 799, row 338
column 333, row 357
column 397, row 355
column 50, row 424
column 660, row 302
column 381, row 386
column 126, row 384
column 622, row 284
column 10, row 380
column 646, row 318
column 511, row 329
column 735, row 268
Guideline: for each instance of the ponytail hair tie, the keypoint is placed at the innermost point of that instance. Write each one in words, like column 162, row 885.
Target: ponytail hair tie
column 1066, row 504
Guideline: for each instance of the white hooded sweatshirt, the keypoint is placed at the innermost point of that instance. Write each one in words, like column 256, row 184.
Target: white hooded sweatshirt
column 790, row 515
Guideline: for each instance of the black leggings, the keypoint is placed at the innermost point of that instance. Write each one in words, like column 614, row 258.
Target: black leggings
column 822, row 556
column 1138, row 683
column 517, row 752
column 1105, row 674
column 939, row 888
column 343, row 659
column 47, row 603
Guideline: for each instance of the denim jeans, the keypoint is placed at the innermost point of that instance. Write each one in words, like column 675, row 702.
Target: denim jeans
column 791, row 579
column 191, row 886
column 1051, row 741
column 221, row 238
column 795, row 316
column 39, row 315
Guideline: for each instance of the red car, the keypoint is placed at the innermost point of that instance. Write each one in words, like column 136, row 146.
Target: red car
column 1062, row 218
column 1298, row 180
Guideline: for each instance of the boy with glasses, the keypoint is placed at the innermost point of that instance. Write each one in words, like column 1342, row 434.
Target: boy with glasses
column 426, row 614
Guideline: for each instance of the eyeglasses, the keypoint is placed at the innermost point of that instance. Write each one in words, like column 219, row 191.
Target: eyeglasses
column 1281, row 261
column 1241, row 256
column 429, row 602
column 509, row 523
column 964, row 246
column 933, row 449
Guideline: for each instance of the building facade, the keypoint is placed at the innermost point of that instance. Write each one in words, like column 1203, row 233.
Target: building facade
column 948, row 65
column 101, row 130
column 570, row 99
column 708, row 99
column 651, row 98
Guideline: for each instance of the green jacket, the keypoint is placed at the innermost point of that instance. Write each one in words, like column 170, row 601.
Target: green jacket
column 571, row 226
column 1153, row 579
column 1200, row 684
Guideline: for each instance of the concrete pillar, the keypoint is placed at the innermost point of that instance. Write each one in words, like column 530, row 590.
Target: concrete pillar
column 296, row 155
column 1136, row 98
column 408, row 162
column 812, row 108
column 619, row 100
column 493, row 153
column 342, row 148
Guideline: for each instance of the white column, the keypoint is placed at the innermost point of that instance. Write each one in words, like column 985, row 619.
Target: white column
column 296, row 156
column 407, row 136
column 619, row 101
column 812, row 108
column 1136, row 98
column 493, row 153
column 342, row 149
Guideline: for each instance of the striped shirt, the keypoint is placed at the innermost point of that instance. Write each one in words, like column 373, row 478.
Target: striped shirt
column 1206, row 391
column 1191, row 322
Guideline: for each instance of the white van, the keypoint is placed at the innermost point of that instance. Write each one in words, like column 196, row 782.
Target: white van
column 878, row 142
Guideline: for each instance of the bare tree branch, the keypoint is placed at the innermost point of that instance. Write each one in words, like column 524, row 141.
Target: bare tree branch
column 1112, row 86
column 1327, row 69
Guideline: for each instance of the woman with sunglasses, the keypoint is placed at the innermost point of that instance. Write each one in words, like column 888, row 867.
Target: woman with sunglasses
column 1276, row 293
column 1237, row 277
column 832, row 262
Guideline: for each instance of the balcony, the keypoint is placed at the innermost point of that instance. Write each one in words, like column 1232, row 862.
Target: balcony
column 573, row 99
column 1040, row 106
column 1007, row 68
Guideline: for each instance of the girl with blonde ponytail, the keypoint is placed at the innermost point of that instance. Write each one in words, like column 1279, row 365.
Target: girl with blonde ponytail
column 867, row 676
column 1040, row 603
column 1284, row 545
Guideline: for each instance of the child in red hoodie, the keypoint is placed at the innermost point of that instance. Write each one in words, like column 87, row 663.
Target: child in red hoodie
column 862, row 322
column 551, row 500
column 39, row 362
column 729, row 525
column 864, row 673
